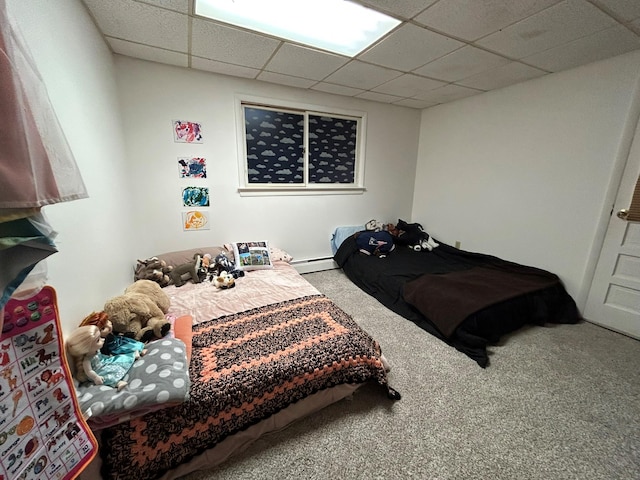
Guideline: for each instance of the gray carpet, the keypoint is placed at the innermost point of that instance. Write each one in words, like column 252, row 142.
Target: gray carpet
column 557, row 402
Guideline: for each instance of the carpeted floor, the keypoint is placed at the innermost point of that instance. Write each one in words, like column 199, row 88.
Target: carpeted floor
column 557, row 402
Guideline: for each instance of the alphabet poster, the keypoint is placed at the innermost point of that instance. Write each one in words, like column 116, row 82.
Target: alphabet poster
column 42, row 432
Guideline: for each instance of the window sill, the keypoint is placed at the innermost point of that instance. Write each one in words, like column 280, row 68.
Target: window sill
column 274, row 191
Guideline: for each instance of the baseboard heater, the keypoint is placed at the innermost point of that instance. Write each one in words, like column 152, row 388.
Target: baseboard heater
column 314, row 264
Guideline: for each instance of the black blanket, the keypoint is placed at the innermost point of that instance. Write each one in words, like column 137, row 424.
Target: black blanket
column 466, row 299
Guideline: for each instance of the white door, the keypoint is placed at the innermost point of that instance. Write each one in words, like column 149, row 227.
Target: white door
column 614, row 297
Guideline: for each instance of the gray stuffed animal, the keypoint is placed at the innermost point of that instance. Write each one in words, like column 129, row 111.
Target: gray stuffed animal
column 187, row 271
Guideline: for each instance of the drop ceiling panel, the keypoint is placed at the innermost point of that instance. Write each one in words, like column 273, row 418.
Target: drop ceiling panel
column 361, row 75
column 408, row 85
column 148, row 53
column 231, row 45
column 337, row 89
column 473, row 19
column 304, row 62
column 447, row 93
column 625, row 10
column 509, row 74
column 181, row 6
column 562, row 23
column 604, row 44
column 400, row 8
column 142, row 23
column 410, row 47
column 462, row 63
column 224, row 68
column 379, row 97
column 481, row 44
column 286, row 80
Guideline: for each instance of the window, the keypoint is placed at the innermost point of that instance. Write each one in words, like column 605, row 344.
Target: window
column 296, row 149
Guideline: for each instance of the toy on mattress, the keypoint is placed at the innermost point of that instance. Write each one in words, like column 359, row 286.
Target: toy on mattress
column 119, row 377
column 268, row 351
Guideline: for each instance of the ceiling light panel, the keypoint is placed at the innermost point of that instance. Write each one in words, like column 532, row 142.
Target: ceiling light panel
column 337, row 26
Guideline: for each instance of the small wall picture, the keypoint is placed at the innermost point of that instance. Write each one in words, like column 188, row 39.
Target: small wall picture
column 195, row 196
column 192, row 167
column 195, row 220
column 187, row 132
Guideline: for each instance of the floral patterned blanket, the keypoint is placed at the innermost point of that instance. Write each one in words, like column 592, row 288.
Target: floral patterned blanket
column 244, row 368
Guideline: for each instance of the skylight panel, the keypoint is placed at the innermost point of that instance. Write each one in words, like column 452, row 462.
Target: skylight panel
column 337, row 26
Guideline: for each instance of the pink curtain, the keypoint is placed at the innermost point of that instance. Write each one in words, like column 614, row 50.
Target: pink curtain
column 37, row 166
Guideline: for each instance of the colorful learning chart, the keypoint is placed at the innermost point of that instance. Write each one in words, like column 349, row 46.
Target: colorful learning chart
column 42, row 432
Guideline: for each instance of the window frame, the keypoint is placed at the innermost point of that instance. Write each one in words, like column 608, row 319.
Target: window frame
column 305, row 188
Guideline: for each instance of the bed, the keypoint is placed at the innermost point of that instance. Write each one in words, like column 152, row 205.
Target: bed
column 468, row 300
column 259, row 356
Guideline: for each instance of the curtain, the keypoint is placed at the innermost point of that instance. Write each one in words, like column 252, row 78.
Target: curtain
column 37, row 167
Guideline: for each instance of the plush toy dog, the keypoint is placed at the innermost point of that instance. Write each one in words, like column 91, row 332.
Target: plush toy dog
column 153, row 269
column 187, row 271
column 412, row 235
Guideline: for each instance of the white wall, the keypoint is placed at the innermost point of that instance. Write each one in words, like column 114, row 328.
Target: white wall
column 95, row 234
column 152, row 95
column 524, row 172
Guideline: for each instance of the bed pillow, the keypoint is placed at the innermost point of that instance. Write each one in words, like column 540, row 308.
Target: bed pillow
column 252, row 255
column 157, row 380
column 279, row 254
column 341, row 233
column 181, row 257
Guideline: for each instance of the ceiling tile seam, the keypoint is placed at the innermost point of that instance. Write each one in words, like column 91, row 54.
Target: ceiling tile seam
column 145, row 45
column 160, row 7
column 273, row 54
column 607, row 11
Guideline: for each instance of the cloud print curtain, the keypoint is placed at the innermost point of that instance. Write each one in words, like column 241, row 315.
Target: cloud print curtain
column 37, row 167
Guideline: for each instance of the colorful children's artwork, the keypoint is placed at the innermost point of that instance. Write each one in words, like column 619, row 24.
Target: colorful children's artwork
column 42, row 431
column 195, row 196
column 192, row 167
column 195, row 220
column 187, row 132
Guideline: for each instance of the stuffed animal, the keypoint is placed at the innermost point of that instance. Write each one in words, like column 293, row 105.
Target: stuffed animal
column 140, row 312
column 375, row 243
column 82, row 347
column 217, row 266
column 187, row 271
column 153, row 269
column 224, row 280
column 412, row 235
column 375, row 226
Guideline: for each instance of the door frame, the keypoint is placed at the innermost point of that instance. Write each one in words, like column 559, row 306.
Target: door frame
column 615, row 180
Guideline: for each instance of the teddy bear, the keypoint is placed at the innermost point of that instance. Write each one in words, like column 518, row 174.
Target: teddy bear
column 140, row 312
column 412, row 235
column 153, row 269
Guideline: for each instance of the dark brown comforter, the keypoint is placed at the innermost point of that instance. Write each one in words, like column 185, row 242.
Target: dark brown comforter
column 447, row 300
column 244, row 368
